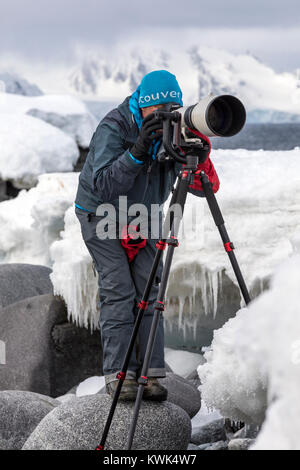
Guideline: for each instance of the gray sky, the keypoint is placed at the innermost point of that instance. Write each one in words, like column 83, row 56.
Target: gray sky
column 40, row 30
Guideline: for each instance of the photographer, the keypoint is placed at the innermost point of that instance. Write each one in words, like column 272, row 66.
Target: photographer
column 122, row 162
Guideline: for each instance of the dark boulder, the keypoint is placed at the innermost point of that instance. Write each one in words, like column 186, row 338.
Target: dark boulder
column 20, row 413
column 45, row 353
column 19, row 281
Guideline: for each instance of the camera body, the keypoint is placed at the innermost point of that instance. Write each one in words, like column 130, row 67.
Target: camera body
column 222, row 115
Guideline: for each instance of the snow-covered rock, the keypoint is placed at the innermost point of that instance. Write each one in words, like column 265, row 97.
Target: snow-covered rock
column 252, row 373
column 240, row 444
column 72, row 267
column 79, row 126
column 66, row 112
column 210, row 432
column 30, row 147
column 11, row 83
column 33, row 220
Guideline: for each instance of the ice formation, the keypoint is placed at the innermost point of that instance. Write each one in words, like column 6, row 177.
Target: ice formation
column 252, row 373
column 261, row 211
column 32, row 221
column 73, row 276
column 90, row 386
column 65, row 112
column 30, row 147
column 182, row 362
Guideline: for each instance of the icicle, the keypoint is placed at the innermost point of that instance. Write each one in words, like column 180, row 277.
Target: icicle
column 180, row 312
column 220, row 281
column 195, row 328
column 203, row 288
column 261, row 285
column 215, row 284
column 190, row 305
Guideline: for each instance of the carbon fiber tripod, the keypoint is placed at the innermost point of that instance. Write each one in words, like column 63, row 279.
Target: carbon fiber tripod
column 190, row 155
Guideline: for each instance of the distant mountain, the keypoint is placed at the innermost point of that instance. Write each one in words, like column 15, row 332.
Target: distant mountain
column 95, row 72
column 16, row 85
column 200, row 71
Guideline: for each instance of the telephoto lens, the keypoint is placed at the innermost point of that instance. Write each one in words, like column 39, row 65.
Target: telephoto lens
column 215, row 116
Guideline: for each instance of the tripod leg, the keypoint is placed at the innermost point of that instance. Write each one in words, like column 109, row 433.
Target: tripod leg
column 142, row 307
column 159, row 305
column 228, row 245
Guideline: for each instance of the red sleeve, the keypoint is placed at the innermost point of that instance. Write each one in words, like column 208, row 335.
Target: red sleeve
column 207, row 167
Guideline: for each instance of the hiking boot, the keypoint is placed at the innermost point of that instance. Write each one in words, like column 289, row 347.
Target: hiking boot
column 154, row 390
column 128, row 390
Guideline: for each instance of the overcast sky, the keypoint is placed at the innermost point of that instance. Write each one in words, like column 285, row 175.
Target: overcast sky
column 50, row 31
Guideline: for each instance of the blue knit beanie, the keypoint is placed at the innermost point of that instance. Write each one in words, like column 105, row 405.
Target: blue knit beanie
column 159, row 87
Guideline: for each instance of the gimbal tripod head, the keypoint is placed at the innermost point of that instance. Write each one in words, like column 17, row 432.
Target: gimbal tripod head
column 176, row 145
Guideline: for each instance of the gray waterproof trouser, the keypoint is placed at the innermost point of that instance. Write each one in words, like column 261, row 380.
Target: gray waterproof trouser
column 121, row 286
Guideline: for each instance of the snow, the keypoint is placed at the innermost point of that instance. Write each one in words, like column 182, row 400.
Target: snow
column 73, row 277
column 90, row 386
column 260, row 202
column 252, row 373
column 66, row 112
column 111, row 74
column 200, row 70
column 182, row 362
column 32, row 221
column 30, row 147
column 204, row 416
column 11, row 83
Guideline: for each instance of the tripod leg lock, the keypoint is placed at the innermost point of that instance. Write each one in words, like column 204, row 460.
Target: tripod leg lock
column 159, row 305
column 173, row 241
column 143, row 305
column 143, row 380
column 161, row 245
column 228, row 246
column 121, row 376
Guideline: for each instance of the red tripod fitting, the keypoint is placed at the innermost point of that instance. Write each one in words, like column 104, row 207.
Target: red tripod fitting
column 173, row 241
column 143, row 305
column 121, row 376
column 159, row 305
column 228, row 246
column 160, row 245
column 143, row 380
